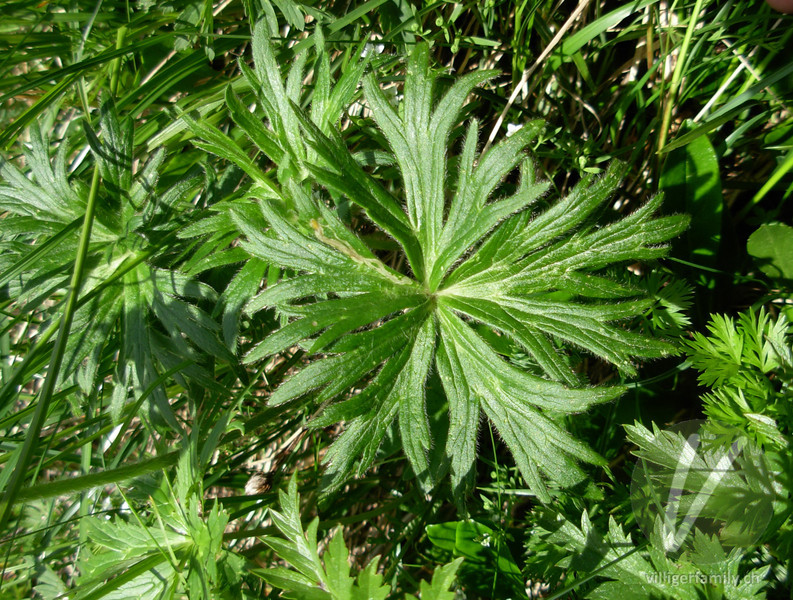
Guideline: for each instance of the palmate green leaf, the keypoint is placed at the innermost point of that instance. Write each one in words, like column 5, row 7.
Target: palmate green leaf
column 475, row 257
column 134, row 293
column 47, row 195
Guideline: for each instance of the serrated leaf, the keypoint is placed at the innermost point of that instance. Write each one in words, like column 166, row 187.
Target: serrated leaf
column 442, row 579
column 337, row 567
column 474, row 258
column 369, row 584
column 120, row 277
column 328, row 577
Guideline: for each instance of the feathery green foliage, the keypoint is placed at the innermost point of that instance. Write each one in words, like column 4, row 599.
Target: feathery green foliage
column 707, row 572
column 328, row 577
column 748, row 365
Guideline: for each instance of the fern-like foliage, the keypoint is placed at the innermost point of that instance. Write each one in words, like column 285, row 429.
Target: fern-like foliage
column 327, row 577
column 625, row 570
column 748, row 364
column 176, row 552
column 476, row 258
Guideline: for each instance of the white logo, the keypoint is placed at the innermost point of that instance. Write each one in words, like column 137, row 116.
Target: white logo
column 686, row 482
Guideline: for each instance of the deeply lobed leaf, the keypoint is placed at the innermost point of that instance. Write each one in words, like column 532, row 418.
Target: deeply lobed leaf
column 476, row 258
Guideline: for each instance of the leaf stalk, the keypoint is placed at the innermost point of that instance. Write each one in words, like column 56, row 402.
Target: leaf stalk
column 42, row 407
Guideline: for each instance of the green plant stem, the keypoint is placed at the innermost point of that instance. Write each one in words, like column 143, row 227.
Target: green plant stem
column 45, row 337
column 42, row 407
column 120, row 35
column 678, row 75
column 91, row 481
column 776, row 176
column 5, row 352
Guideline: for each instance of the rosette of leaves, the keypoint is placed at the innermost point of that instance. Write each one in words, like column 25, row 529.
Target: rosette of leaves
column 479, row 266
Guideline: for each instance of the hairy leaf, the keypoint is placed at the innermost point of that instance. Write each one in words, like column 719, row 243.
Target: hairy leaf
column 475, row 256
